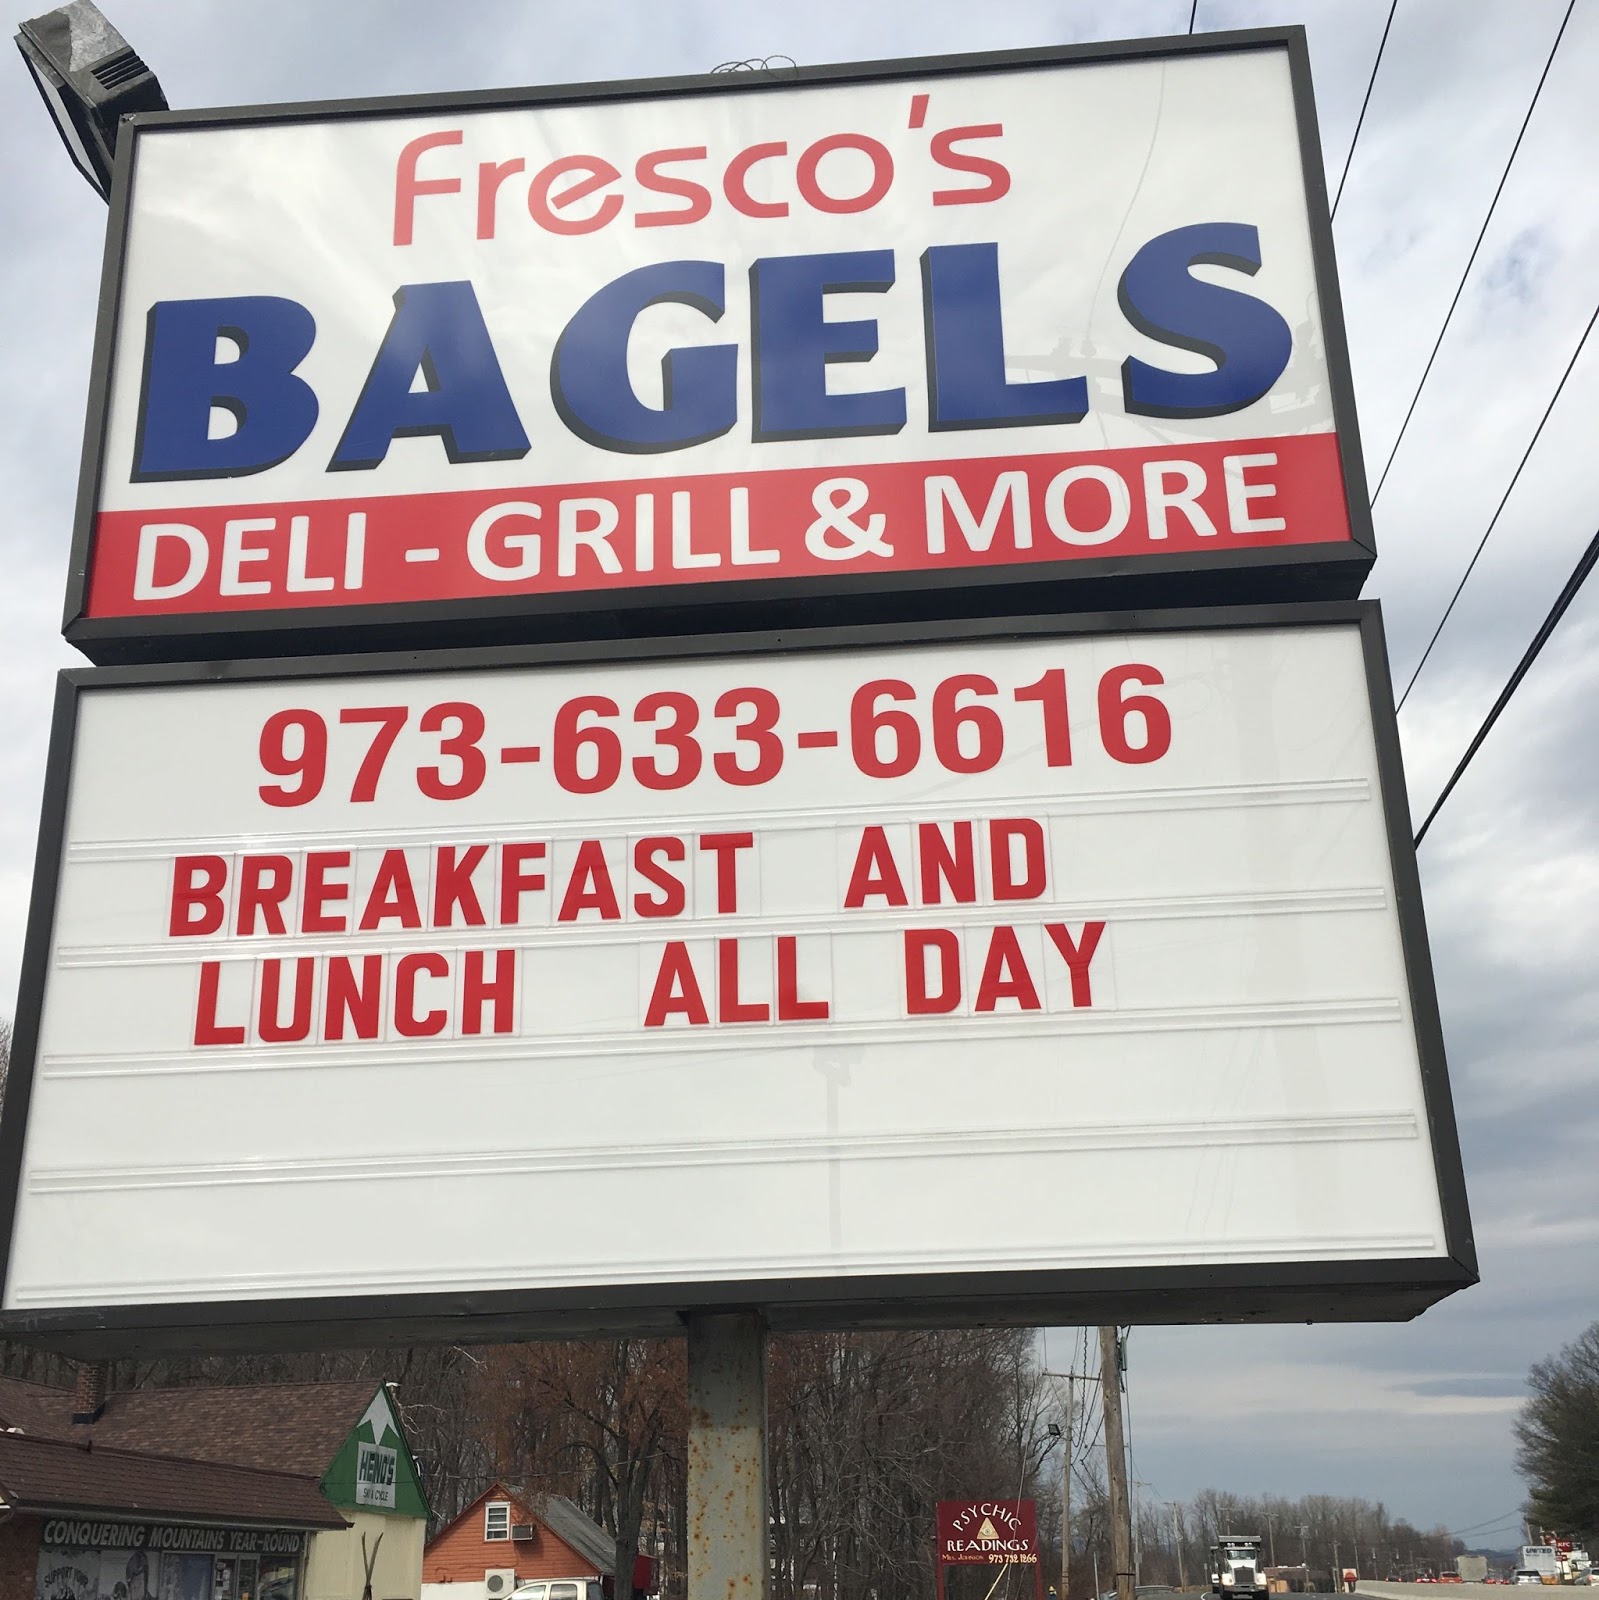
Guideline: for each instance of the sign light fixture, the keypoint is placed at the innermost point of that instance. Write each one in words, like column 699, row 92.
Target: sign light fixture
column 91, row 78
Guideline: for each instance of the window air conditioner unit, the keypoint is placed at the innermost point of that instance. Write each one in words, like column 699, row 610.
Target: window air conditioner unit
column 524, row 1531
column 498, row 1582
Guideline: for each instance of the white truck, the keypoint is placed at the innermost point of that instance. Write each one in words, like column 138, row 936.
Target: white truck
column 1558, row 1562
column 1238, row 1567
column 1543, row 1559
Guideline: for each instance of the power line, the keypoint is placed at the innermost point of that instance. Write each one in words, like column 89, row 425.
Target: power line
column 1193, row 11
column 1360, row 120
column 1470, row 261
column 1498, row 510
column 1585, row 564
column 1511, row 1519
column 1492, row 1522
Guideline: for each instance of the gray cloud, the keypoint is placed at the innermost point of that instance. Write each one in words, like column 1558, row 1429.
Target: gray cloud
column 1518, row 271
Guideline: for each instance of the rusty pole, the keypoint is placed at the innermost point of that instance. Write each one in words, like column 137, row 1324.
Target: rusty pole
column 729, row 1554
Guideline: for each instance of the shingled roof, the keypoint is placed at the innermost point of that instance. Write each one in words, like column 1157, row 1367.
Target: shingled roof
column 31, row 1406
column 51, row 1475
column 570, row 1523
column 275, row 1427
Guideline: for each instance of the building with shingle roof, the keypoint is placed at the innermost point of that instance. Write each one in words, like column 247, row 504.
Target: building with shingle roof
column 284, row 1427
column 258, row 1492
column 505, row 1540
column 63, row 1478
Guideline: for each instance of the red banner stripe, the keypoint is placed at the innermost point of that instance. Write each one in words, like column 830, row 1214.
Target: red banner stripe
column 880, row 520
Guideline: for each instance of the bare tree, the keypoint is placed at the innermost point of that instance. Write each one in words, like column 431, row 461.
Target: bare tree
column 603, row 1422
column 868, row 1431
column 1338, row 1533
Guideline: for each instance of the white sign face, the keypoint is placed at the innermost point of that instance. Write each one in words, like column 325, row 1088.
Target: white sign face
column 377, row 1468
column 799, row 967
column 881, row 332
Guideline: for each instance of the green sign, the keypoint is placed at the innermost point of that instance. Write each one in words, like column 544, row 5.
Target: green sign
column 374, row 1469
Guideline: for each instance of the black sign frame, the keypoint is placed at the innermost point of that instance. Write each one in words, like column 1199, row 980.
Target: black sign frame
column 1308, row 1291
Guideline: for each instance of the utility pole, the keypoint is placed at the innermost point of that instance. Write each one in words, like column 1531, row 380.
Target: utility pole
column 1068, row 1459
column 1121, row 1531
column 1177, row 1540
column 1135, row 1484
column 1271, row 1535
column 1066, row 1498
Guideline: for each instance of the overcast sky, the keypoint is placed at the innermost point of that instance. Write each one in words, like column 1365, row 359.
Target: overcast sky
column 1418, row 1415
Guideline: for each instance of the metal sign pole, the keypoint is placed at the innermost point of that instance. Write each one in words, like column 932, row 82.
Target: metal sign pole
column 729, row 1554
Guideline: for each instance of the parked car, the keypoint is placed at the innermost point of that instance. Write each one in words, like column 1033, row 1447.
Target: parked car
column 559, row 1589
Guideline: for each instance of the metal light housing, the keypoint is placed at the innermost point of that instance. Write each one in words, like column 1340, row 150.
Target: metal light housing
column 90, row 78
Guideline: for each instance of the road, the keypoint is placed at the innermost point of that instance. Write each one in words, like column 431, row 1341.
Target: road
column 1430, row 1591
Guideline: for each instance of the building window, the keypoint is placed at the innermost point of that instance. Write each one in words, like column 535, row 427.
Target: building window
column 496, row 1521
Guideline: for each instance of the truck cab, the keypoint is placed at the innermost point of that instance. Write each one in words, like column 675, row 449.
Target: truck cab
column 1238, row 1568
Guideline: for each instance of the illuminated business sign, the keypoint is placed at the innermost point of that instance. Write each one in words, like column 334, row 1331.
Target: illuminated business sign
column 981, row 322
column 855, row 979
